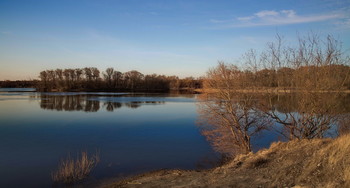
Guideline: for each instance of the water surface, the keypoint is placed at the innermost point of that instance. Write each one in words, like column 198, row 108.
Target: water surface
column 133, row 133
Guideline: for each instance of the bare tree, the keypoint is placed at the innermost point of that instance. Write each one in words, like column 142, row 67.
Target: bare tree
column 133, row 79
column 60, row 82
column 44, row 79
column 117, row 79
column 313, row 66
column 108, row 76
column 227, row 112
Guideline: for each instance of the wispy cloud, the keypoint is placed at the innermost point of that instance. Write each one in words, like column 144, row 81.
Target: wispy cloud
column 266, row 13
column 344, row 22
column 273, row 18
column 247, row 18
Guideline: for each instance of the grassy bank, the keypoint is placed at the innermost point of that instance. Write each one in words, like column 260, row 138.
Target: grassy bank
column 299, row 163
column 271, row 90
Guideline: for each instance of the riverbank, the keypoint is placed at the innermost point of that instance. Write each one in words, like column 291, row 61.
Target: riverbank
column 299, row 163
column 271, row 90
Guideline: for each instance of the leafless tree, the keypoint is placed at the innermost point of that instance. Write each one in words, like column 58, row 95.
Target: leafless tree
column 314, row 67
column 133, row 79
column 108, row 76
column 228, row 117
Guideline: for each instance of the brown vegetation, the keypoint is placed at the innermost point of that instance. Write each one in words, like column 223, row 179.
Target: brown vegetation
column 89, row 79
column 70, row 170
column 19, row 84
column 231, row 114
column 229, row 118
column 312, row 64
column 298, row 163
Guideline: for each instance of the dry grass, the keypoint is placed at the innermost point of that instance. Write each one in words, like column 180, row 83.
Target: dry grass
column 298, row 163
column 70, row 170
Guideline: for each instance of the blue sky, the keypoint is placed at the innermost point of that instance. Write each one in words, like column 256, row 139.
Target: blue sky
column 172, row 37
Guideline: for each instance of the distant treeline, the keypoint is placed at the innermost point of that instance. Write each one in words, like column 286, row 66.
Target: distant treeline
column 312, row 64
column 19, row 84
column 91, row 79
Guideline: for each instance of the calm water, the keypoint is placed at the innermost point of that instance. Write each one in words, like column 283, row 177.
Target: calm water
column 133, row 133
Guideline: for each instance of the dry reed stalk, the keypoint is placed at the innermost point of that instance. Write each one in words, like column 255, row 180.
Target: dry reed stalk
column 70, row 170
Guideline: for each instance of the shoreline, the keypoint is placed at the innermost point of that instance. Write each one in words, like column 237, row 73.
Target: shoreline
column 272, row 90
column 297, row 163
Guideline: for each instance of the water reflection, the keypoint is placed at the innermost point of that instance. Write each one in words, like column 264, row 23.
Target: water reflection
column 69, row 103
column 293, row 116
column 307, row 114
column 111, row 106
column 90, row 103
column 158, row 127
column 299, row 102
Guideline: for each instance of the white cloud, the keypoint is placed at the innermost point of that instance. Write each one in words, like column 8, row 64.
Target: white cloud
column 247, row 18
column 221, row 21
column 265, row 13
column 343, row 24
column 289, row 13
column 273, row 18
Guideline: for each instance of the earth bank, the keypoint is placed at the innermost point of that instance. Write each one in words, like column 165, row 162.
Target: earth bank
column 299, row 163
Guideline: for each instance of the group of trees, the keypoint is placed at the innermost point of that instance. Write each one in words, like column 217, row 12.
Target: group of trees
column 231, row 113
column 311, row 64
column 19, row 84
column 91, row 79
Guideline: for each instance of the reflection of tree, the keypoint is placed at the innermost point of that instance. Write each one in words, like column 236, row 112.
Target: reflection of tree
column 83, row 103
column 301, row 115
column 290, row 102
column 311, row 115
column 69, row 103
column 133, row 104
column 137, row 104
column 110, row 106
column 229, row 124
column 92, row 106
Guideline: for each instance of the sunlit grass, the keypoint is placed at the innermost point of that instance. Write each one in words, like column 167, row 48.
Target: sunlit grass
column 70, row 170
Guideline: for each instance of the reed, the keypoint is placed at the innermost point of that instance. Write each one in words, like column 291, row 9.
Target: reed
column 70, row 170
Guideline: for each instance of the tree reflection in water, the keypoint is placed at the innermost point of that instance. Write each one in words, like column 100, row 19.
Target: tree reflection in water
column 111, row 106
column 295, row 116
column 86, row 104
column 307, row 115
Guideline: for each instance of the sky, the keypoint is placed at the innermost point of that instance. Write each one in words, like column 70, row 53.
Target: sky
column 171, row 37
